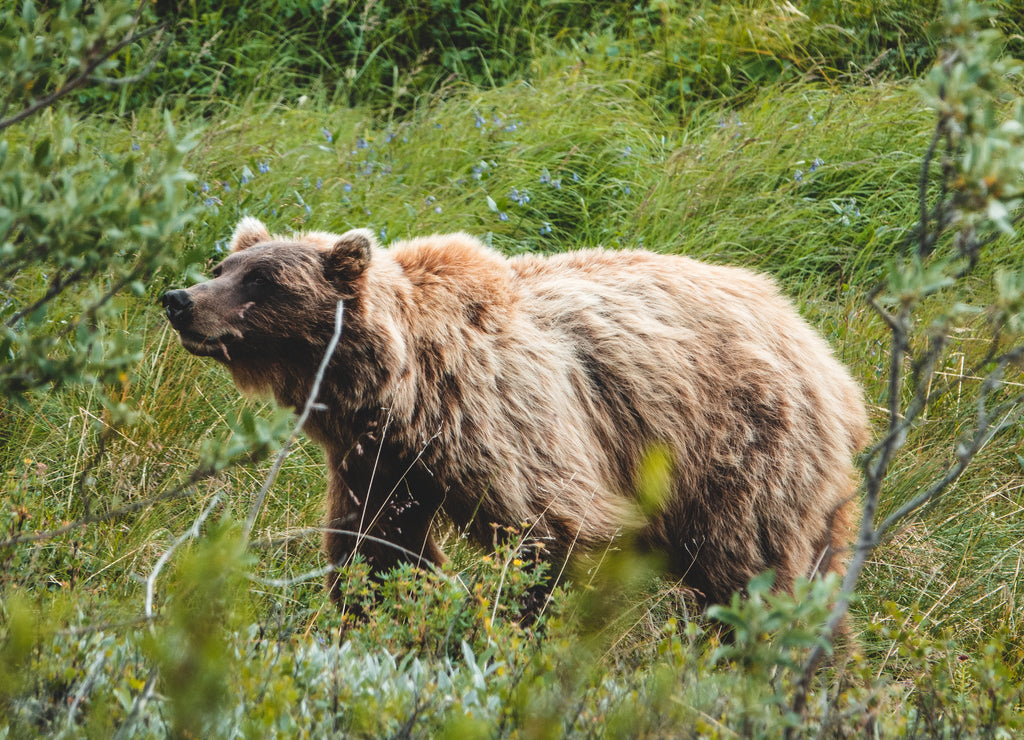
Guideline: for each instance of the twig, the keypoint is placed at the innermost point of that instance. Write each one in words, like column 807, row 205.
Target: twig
column 190, row 533
column 58, row 284
column 182, row 491
column 139, row 77
column 81, row 79
column 137, row 707
column 330, row 567
column 84, row 686
column 924, row 243
column 380, row 509
column 254, row 510
column 373, row 474
column 877, row 461
column 983, row 434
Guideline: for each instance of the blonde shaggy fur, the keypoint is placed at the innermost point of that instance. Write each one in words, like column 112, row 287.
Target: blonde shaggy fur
column 526, row 391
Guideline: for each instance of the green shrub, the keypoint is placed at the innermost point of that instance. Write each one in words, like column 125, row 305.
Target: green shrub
column 80, row 223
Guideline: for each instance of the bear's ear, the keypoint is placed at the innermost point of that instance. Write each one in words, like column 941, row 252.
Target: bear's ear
column 249, row 231
column 349, row 256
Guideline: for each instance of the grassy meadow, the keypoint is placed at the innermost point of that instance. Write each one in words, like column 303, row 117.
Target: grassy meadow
column 783, row 137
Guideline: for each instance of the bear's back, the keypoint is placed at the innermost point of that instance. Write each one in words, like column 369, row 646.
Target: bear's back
column 760, row 418
column 703, row 328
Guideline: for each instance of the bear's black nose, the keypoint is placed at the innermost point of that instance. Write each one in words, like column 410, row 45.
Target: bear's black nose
column 177, row 305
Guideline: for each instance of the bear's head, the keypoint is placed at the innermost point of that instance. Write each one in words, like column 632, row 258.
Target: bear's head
column 262, row 299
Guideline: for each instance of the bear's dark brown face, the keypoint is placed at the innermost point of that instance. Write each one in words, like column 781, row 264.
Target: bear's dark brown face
column 265, row 294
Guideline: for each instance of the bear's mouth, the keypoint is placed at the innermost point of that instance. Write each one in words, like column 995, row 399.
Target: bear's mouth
column 205, row 346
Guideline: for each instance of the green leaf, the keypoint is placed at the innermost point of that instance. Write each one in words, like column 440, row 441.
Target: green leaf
column 41, row 157
column 729, row 616
column 1000, row 215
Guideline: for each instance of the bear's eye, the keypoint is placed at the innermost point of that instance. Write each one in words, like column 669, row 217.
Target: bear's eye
column 256, row 280
column 216, row 271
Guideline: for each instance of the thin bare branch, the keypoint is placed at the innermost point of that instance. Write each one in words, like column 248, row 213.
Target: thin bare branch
column 191, row 533
column 84, row 687
column 183, row 491
column 138, row 706
column 965, row 454
column 254, row 510
column 58, row 284
column 79, row 80
column 140, row 76
column 924, row 243
column 330, row 567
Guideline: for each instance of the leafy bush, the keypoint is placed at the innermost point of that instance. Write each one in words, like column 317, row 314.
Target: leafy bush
column 79, row 224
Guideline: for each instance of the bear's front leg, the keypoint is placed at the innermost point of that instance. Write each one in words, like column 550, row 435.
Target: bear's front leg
column 382, row 516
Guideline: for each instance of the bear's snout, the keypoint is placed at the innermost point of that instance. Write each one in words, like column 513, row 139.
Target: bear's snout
column 177, row 305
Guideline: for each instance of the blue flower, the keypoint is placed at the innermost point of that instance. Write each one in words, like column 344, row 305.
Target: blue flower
column 520, row 197
column 212, row 201
column 502, row 216
column 575, row 177
column 384, row 234
column 545, row 229
column 626, row 190
column 308, row 210
column 263, row 167
column 545, row 176
column 361, row 143
column 226, row 186
column 135, row 146
column 816, row 164
column 205, row 187
column 479, row 120
column 437, row 209
column 319, row 183
column 347, row 187
column 798, row 176
column 557, row 184
column 327, row 135
column 389, row 137
column 627, row 151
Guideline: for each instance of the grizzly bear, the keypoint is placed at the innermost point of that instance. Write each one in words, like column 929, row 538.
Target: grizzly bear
column 525, row 392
